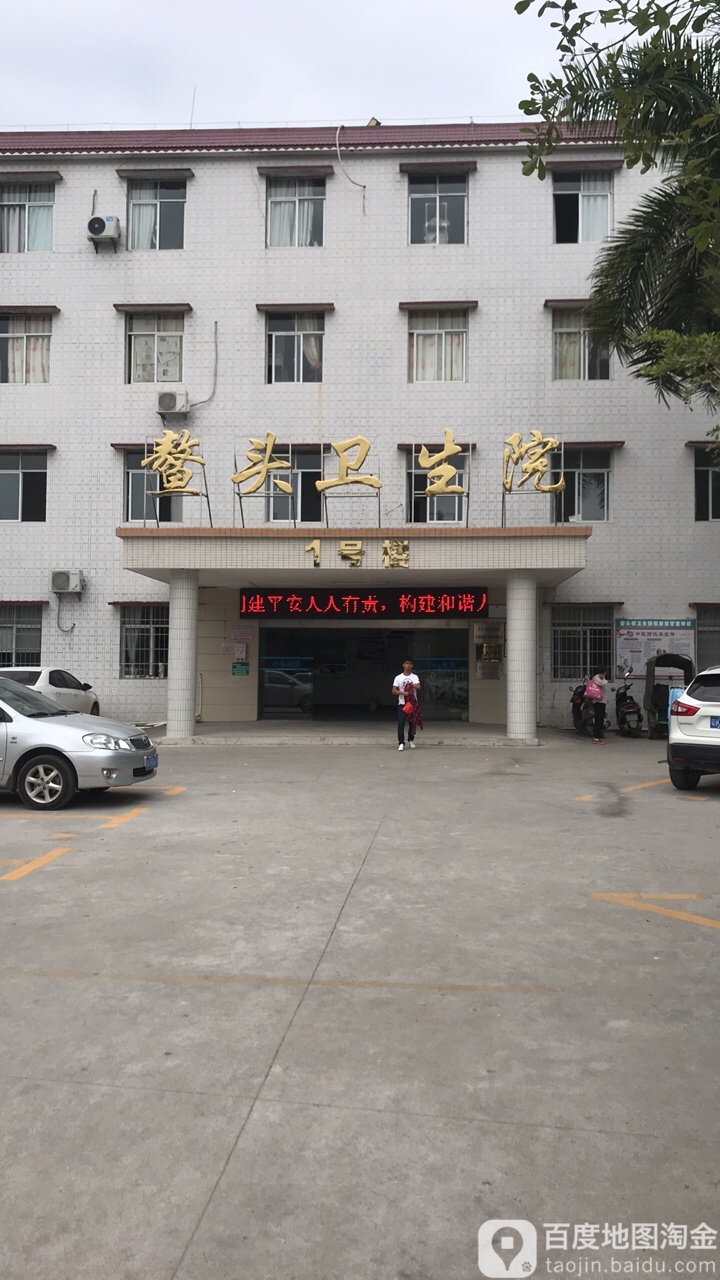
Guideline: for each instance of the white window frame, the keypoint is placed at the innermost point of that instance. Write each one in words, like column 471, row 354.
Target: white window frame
column 413, row 470
column 27, row 204
column 708, row 469
column 157, row 623
column 296, row 200
column 438, row 178
column 584, row 194
column 157, row 200
column 582, row 330
column 577, row 473
column 438, row 332
column 298, row 477
column 153, row 507
column 153, row 320
column 298, row 334
column 20, row 472
column 17, row 618
column 40, row 328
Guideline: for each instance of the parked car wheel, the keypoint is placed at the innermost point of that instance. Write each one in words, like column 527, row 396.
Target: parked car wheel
column 95, row 709
column 684, row 779
column 46, row 782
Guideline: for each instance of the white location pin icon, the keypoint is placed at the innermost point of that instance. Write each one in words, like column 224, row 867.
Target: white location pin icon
column 507, row 1243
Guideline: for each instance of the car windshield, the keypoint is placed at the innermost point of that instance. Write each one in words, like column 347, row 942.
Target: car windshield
column 706, row 688
column 27, row 702
column 22, row 677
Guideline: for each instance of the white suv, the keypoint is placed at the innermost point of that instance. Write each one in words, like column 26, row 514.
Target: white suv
column 694, row 737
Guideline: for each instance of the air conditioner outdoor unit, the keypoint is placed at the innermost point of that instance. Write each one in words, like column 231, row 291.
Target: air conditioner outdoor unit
column 67, row 582
column 173, row 401
column 100, row 229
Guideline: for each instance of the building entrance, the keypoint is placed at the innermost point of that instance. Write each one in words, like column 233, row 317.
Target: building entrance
column 339, row 673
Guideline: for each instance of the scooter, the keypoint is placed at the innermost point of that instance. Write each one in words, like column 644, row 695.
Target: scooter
column 627, row 710
column 583, row 711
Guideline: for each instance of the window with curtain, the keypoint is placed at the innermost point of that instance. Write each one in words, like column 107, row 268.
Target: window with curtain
column 20, row 634
column 586, row 496
column 437, row 341
column 449, row 507
column 26, row 217
column 708, row 636
column 295, row 347
column 154, row 348
column 707, row 486
column 295, row 212
column 140, row 485
column 582, row 206
column 23, row 486
column 305, row 469
column 438, row 209
column 576, row 354
column 144, row 641
column 156, row 214
column 582, row 640
column 25, row 348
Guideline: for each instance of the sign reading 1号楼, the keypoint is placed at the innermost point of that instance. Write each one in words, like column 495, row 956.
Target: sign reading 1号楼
column 637, row 640
column 384, row 602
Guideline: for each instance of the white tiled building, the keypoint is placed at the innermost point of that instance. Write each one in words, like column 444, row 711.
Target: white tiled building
column 386, row 283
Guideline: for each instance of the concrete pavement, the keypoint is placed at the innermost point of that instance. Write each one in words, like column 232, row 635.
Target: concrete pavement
column 323, row 1011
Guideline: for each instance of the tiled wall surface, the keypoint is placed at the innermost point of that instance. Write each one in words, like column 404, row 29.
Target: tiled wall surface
column 651, row 554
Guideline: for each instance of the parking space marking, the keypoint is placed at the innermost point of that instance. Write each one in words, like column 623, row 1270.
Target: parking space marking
column 123, row 817
column 638, row 786
column 643, row 902
column 27, row 867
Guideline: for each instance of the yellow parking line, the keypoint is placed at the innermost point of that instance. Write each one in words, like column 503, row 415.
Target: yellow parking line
column 638, row 903
column 123, row 817
column 27, row 867
column 11, row 862
column 638, row 786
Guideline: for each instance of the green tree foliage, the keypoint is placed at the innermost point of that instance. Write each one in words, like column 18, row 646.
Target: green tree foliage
column 646, row 75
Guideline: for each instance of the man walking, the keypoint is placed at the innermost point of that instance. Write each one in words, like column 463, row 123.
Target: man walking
column 406, row 686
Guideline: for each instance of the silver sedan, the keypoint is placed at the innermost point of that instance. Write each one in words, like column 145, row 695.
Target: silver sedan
column 48, row 754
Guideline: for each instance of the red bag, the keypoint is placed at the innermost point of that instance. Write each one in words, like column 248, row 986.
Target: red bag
column 407, row 707
column 594, row 692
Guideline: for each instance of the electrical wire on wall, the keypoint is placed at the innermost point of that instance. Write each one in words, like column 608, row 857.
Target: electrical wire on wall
column 344, row 170
column 194, row 403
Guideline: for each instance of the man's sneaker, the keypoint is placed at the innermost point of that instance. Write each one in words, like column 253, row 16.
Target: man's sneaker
column 411, row 746
column 401, row 747
column 598, row 742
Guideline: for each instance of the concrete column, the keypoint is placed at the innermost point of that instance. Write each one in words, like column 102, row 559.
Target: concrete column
column 182, row 654
column 522, row 657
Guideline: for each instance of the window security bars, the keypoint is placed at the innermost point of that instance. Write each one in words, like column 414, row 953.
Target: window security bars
column 708, row 636
column 436, row 346
column 156, row 215
column 295, row 212
column 144, row 641
column 20, row 634
column 25, row 348
column 438, row 210
column 26, row 217
column 582, row 640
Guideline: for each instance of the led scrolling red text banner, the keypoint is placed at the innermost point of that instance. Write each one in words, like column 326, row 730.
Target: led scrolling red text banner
column 385, row 602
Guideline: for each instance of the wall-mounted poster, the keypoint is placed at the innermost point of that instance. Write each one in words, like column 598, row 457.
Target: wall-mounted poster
column 639, row 639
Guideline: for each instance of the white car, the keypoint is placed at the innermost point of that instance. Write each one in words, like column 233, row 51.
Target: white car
column 694, row 737
column 57, row 685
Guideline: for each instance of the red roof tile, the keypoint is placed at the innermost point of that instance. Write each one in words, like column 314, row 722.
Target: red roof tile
column 300, row 138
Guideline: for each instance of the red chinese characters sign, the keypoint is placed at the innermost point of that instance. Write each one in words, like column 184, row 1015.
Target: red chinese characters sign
column 385, row 603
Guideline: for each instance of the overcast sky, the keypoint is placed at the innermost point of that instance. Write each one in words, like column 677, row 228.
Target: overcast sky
column 99, row 62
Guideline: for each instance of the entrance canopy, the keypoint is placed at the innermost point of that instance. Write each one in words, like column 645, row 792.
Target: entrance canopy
column 267, row 557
